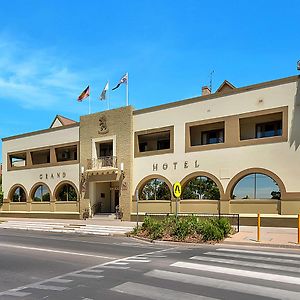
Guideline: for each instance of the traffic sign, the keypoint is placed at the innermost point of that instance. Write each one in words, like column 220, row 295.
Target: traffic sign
column 177, row 189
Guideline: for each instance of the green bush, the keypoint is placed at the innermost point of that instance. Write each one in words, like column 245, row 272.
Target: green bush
column 210, row 231
column 153, row 227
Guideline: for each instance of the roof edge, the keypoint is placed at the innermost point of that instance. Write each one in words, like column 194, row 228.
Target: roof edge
column 39, row 132
column 218, row 95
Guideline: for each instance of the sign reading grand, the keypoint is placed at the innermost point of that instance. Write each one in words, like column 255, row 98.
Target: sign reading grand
column 57, row 175
column 177, row 189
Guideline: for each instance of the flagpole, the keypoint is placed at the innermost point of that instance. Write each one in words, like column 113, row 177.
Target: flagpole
column 90, row 103
column 127, row 102
column 108, row 96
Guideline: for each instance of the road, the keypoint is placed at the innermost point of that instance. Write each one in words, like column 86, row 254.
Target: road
column 68, row 266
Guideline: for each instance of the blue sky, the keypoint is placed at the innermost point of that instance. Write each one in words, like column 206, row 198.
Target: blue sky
column 51, row 50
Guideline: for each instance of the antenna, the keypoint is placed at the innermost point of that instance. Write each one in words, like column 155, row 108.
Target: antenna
column 211, row 79
column 298, row 65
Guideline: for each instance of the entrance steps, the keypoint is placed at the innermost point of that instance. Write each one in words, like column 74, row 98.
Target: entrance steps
column 105, row 216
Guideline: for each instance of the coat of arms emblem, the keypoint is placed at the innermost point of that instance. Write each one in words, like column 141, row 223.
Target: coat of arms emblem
column 102, row 125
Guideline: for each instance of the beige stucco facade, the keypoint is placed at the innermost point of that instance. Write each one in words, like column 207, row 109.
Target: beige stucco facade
column 111, row 169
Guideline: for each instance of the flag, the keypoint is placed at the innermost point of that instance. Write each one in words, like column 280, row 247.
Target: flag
column 103, row 94
column 84, row 94
column 124, row 79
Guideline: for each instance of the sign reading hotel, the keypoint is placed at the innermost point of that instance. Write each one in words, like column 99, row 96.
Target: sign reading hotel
column 174, row 165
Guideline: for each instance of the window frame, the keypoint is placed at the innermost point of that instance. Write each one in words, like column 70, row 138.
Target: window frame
column 138, row 153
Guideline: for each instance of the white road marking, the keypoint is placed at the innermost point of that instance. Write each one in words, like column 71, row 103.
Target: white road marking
column 48, row 287
column 103, row 265
column 116, row 267
column 225, row 285
column 15, row 294
column 238, row 272
column 260, row 252
column 138, row 260
column 94, row 271
column 156, row 293
column 261, row 258
column 61, row 280
column 54, row 251
column 247, row 264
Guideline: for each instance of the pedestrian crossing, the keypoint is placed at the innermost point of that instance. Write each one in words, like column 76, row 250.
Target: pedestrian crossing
column 168, row 274
column 244, row 277
column 103, row 230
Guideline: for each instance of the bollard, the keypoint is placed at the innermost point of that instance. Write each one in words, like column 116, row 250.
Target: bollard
column 298, row 228
column 258, row 227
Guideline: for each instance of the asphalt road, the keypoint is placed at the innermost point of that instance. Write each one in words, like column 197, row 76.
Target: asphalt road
column 66, row 266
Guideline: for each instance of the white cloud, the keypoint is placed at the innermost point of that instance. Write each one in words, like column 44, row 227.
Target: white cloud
column 35, row 78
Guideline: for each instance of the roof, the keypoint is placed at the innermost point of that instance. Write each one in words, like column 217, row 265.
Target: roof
column 63, row 121
column 222, row 93
column 225, row 86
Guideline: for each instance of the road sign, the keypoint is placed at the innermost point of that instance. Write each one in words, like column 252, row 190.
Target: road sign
column 177, row 189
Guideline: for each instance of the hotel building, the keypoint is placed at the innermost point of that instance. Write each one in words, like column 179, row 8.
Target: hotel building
column 234, row 151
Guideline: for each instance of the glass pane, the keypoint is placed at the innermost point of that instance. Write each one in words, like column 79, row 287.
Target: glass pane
column 244, row 188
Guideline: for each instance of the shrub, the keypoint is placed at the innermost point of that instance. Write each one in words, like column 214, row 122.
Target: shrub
column 210, row 231
column 225, row 226
column 153, row 227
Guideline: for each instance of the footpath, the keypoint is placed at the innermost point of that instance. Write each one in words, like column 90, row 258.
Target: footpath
column 90, row 226
column 269, row 236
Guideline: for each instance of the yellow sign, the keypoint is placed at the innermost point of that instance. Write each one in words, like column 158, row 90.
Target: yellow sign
column 177, row 189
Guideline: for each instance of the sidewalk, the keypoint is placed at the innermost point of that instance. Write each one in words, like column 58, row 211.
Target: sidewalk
column 94, row 226
column 269, row 236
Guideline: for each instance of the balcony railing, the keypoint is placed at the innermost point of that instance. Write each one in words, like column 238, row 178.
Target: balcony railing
column 102, row 162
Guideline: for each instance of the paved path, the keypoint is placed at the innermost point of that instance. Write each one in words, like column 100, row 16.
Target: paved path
column 171, row 273
column 268, row 236
column 70, row 227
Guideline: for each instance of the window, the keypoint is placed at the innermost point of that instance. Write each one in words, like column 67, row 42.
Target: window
column 18, row 195
column 262, row 126
column 154, row 141
column 155, row 189
column 207, row 134
column 269, row 129
column 105, row 149
column 40, row 157
column 212, row 137
column 41, row 193
column 201, row 187
column 18, row 160
column 66, row 192
column 256, row 186
column 68, row 153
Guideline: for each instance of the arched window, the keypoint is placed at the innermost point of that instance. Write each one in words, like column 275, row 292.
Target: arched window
column 41, row 193
column 256, row 186
column 18, row 194
column 201, row 187
column 155, row 189
column 66, row 192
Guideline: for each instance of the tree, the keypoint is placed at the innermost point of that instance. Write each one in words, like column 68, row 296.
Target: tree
column 201, row 187
column 155, row 189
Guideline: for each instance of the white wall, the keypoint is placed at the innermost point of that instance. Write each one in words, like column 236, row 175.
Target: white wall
column 281, row 158
column 29, row 177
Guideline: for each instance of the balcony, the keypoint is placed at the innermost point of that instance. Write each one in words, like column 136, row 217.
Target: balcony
column 104, row 162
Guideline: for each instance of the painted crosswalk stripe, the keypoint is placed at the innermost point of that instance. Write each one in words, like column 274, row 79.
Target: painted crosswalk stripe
column 238, row 272
column 60, row 280
column 225, row 285
column 93, row 271
column 48, row 287
column 15, row 294
column 247, row 264
column 260, row 252
column 156, row 293
column 138, row 260
column 252, row 257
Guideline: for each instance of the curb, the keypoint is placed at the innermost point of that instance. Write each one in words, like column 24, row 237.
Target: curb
column 259, row 244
